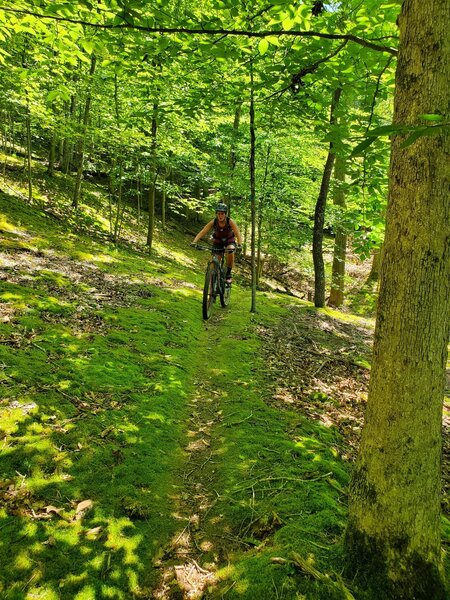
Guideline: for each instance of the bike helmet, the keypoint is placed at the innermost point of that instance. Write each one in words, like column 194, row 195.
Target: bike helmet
column 221, row 207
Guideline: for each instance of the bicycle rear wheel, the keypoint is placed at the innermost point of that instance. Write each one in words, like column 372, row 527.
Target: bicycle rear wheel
column 209, row 291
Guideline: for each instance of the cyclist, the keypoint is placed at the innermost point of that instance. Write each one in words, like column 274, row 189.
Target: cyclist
column 225, row 234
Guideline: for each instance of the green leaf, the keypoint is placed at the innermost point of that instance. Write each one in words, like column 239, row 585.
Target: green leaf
column 87, row 45
column 431, row 117
column 263, row 46
column 362, row 146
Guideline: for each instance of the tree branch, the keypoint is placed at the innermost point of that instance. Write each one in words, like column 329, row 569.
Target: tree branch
column 236, row 32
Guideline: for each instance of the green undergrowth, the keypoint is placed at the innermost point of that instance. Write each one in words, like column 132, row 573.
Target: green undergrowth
column 92, row 407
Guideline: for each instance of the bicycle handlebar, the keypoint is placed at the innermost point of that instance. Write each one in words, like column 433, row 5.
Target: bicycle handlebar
column 214, row 250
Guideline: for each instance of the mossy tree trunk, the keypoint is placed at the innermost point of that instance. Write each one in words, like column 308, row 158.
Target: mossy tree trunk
column 393, row 536
column 340, row 242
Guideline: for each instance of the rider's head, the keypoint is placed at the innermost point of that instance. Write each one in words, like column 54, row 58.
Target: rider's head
column 221, row 207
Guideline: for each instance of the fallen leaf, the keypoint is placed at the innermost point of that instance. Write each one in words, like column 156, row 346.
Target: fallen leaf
column 83, row 507
column 52, row 509
column 94, row 532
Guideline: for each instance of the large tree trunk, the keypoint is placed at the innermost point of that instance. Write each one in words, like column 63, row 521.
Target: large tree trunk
column 393, row 536
column 319, row 215
column 340, row 241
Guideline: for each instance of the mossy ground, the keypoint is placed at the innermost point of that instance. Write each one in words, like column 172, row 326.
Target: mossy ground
column 105, row 366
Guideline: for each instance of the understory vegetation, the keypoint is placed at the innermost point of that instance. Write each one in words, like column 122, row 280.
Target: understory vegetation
column 146, row 453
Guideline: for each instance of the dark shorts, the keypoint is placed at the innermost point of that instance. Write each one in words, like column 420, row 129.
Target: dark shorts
column 222, row 244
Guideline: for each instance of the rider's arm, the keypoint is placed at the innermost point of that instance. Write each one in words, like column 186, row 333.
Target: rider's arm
column 237, row 233
column 203, row 232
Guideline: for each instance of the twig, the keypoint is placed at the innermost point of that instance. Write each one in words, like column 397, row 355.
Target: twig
column 238, row 422
column 240, row 489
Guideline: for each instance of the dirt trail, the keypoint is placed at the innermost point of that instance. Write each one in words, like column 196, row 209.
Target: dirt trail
column 189, row 564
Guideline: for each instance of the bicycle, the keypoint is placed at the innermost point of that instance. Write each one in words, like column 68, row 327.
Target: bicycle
column 215, row 284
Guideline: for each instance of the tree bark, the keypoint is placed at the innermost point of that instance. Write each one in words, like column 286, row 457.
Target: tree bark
column 319, row 215
column 340, row 242
column 393, row 536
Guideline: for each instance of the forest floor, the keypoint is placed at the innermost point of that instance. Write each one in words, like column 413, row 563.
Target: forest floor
column 148, row 454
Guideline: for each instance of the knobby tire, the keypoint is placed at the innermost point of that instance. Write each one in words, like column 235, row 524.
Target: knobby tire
column 224, row 295
column 208, row 291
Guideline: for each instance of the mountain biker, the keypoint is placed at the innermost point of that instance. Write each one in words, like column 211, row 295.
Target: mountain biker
column 225, row 233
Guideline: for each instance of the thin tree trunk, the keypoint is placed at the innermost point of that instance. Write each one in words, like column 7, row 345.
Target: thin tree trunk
column 237, row 118
column 260, row 215
column 138, row 196
column 151, row 191
column 28, row 130
column 163, row 204
column 376, row 265
column 319, row 215
column 118, row 204
column 252, row 190
column 393, row 536
column 68, row 143
column 82, row 142
column 340, row 242
column 52, row 154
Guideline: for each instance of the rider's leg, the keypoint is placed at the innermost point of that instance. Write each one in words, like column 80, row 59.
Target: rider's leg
column 230, row 259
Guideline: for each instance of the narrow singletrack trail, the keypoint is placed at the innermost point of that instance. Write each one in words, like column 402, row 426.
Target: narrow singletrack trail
column 202, row 541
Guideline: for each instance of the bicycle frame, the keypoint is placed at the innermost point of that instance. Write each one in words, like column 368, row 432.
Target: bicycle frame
column 215, row 280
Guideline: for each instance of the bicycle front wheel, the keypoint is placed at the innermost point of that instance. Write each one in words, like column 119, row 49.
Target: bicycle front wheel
column 209, row 291
column 225, row 294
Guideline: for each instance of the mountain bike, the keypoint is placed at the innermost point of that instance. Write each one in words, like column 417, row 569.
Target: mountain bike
column 215, row 284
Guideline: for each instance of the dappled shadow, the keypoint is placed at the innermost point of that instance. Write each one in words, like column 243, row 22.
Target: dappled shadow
column 326, row 366
column 92, row 404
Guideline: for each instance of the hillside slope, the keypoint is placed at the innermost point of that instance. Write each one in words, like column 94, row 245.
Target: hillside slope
column 146, row 453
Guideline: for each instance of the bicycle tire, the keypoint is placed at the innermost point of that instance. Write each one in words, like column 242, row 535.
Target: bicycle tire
column 225, row 295
column 208, row 292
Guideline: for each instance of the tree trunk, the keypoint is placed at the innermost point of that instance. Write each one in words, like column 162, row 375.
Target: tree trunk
column 252, row 191
column 67, row 154
column 151, row 191
column 119, row 210
column 319, row 215
column 28, row 137
column 237, row 118
column 376, row 264
column 52, row 154
column 82, row 142
column 260, row 259
column 163, row 204
column 393, row 536
column 340, row 242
